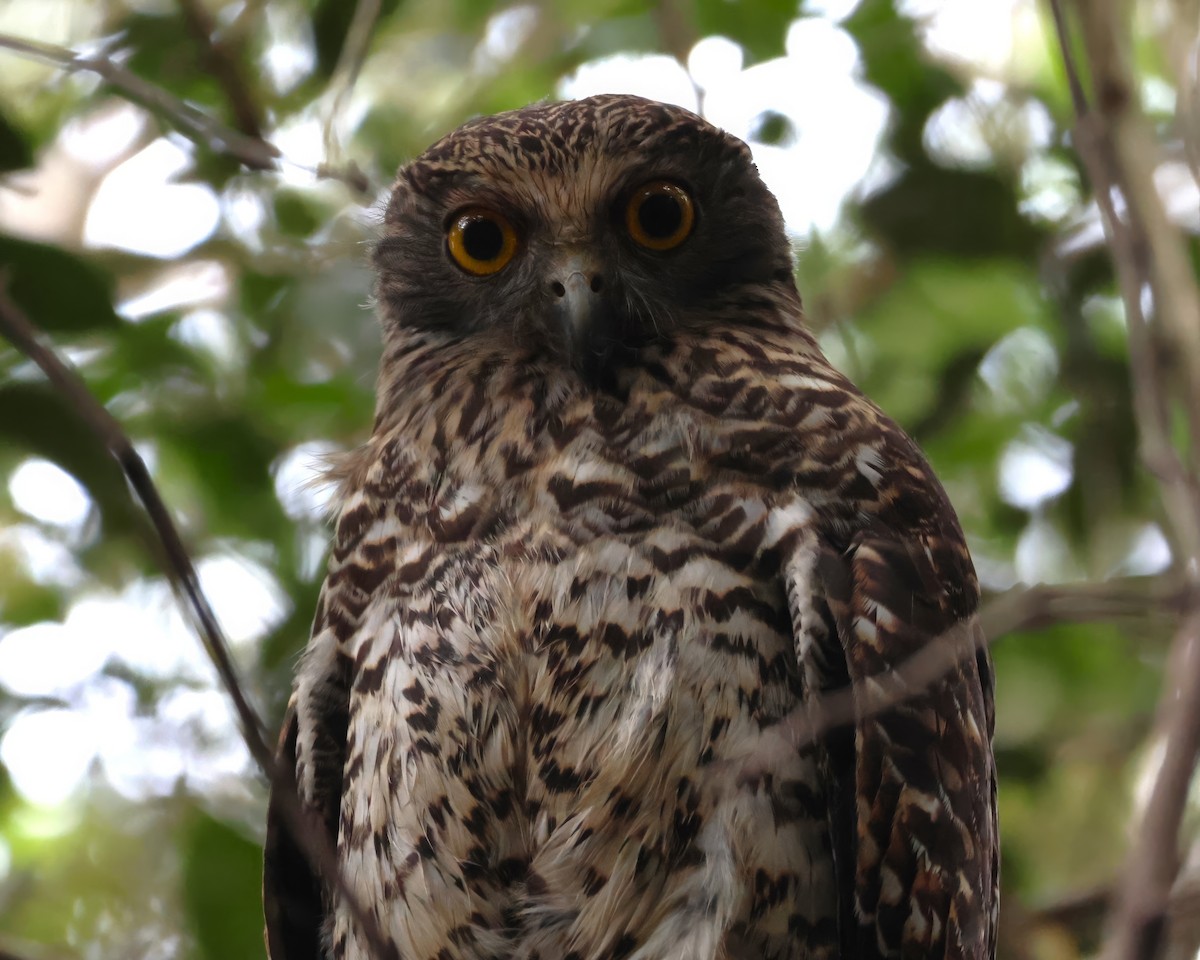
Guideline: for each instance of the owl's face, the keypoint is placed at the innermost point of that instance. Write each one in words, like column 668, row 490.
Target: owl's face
column 580, row 230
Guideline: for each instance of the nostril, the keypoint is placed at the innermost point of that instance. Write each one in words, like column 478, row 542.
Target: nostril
column 558, row 289
column 597, row 283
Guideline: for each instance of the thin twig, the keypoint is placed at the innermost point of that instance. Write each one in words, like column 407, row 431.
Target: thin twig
column 315, row 844
column 1080, row 911
column 345, row 73
column 254, row 153
column 1119, row 153
column 22, row 334
column 870, row 696
column 223, row 64
column 1132, row 155
column 1026, row 608
column 1045, row 605
column 1074, row 84
column 1132, row 251
column 1139, row 922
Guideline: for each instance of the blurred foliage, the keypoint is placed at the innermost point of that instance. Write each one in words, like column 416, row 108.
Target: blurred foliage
column 963, row 287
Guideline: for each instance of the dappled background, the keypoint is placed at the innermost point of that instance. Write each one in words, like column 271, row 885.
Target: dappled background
column 949, row 255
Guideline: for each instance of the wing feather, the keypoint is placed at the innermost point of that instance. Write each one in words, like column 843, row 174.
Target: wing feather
column 312, row 745
column 918, row 862
column 292, row 895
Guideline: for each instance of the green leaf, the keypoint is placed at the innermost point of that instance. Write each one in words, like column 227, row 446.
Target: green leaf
column 223, row 458
column 760, row 27
column 164, row 51
column 59, row 291
column 222, row 885
column 22, row 601
column 15, row 151
column 296, row 214
column 958, row 213
column 773, row 128
column 167, row 52
column 938, row 310
column 895, row 61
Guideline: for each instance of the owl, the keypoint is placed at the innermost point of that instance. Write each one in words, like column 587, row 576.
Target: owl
column 618, row 529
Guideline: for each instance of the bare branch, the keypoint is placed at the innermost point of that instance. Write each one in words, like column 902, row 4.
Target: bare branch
column 21, row 332
column 315, row 844
column 1020, row 609
column 223, row 64
column 1162, row 305
column 345, row 73
column 1140, row 917
column 252, row 152
column 871, row 696
column 1033, row 608
column 1176, row 299
column 1133, row 253
column 1082, row 913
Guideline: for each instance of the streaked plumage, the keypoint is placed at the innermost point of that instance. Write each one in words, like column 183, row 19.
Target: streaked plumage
column 598, row 546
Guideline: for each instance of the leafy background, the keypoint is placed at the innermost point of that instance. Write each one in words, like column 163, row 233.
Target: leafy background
column 962, row 283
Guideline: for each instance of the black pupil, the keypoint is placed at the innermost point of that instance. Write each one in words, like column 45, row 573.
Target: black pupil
column 660, row 215
column 482, row 239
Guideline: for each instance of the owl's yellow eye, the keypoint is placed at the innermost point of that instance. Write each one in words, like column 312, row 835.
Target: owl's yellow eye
column 481, row 241
column 659, row 215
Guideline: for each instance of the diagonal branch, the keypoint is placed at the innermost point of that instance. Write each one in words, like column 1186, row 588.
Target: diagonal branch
column 252, row 152
column 223, row 64
column 345, row 72
column 1162, row 306
column 1030, row 608
column 183, row 575
column 195, row 124
column 313, row 841
column 1138, row 924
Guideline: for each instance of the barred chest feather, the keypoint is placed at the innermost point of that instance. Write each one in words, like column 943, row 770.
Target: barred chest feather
column 568, row 639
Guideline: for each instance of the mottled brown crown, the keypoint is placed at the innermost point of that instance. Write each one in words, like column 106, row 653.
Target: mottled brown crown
column 561, row 139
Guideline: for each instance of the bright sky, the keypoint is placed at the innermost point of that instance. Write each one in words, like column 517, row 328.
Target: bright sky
column 91, row 719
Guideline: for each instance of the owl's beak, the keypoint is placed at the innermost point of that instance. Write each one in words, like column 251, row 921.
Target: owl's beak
column 583, row 312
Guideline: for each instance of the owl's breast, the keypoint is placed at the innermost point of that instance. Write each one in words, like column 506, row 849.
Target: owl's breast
column 601, row 611
column 646, row 671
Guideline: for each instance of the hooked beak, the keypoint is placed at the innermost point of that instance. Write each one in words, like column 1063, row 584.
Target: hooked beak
column 584, row 315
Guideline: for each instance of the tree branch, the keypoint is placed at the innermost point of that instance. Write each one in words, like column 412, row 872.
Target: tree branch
column 1020, row 609
column 195, row 124
column 252, row 152
column 1133, row 251
column 1045, row 605
column 223, row 64
column 1162, row 306
column 1138, row 923
column 315, row 844
column 345, row 72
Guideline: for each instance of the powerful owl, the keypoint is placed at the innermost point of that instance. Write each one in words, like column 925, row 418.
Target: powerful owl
column 619, row 533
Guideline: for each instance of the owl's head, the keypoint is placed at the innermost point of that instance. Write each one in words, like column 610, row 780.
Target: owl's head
column 582, row 229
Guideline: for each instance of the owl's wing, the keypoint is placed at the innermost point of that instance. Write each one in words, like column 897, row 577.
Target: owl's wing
column 292, row 898
column 295, row 900
column 912, row 788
